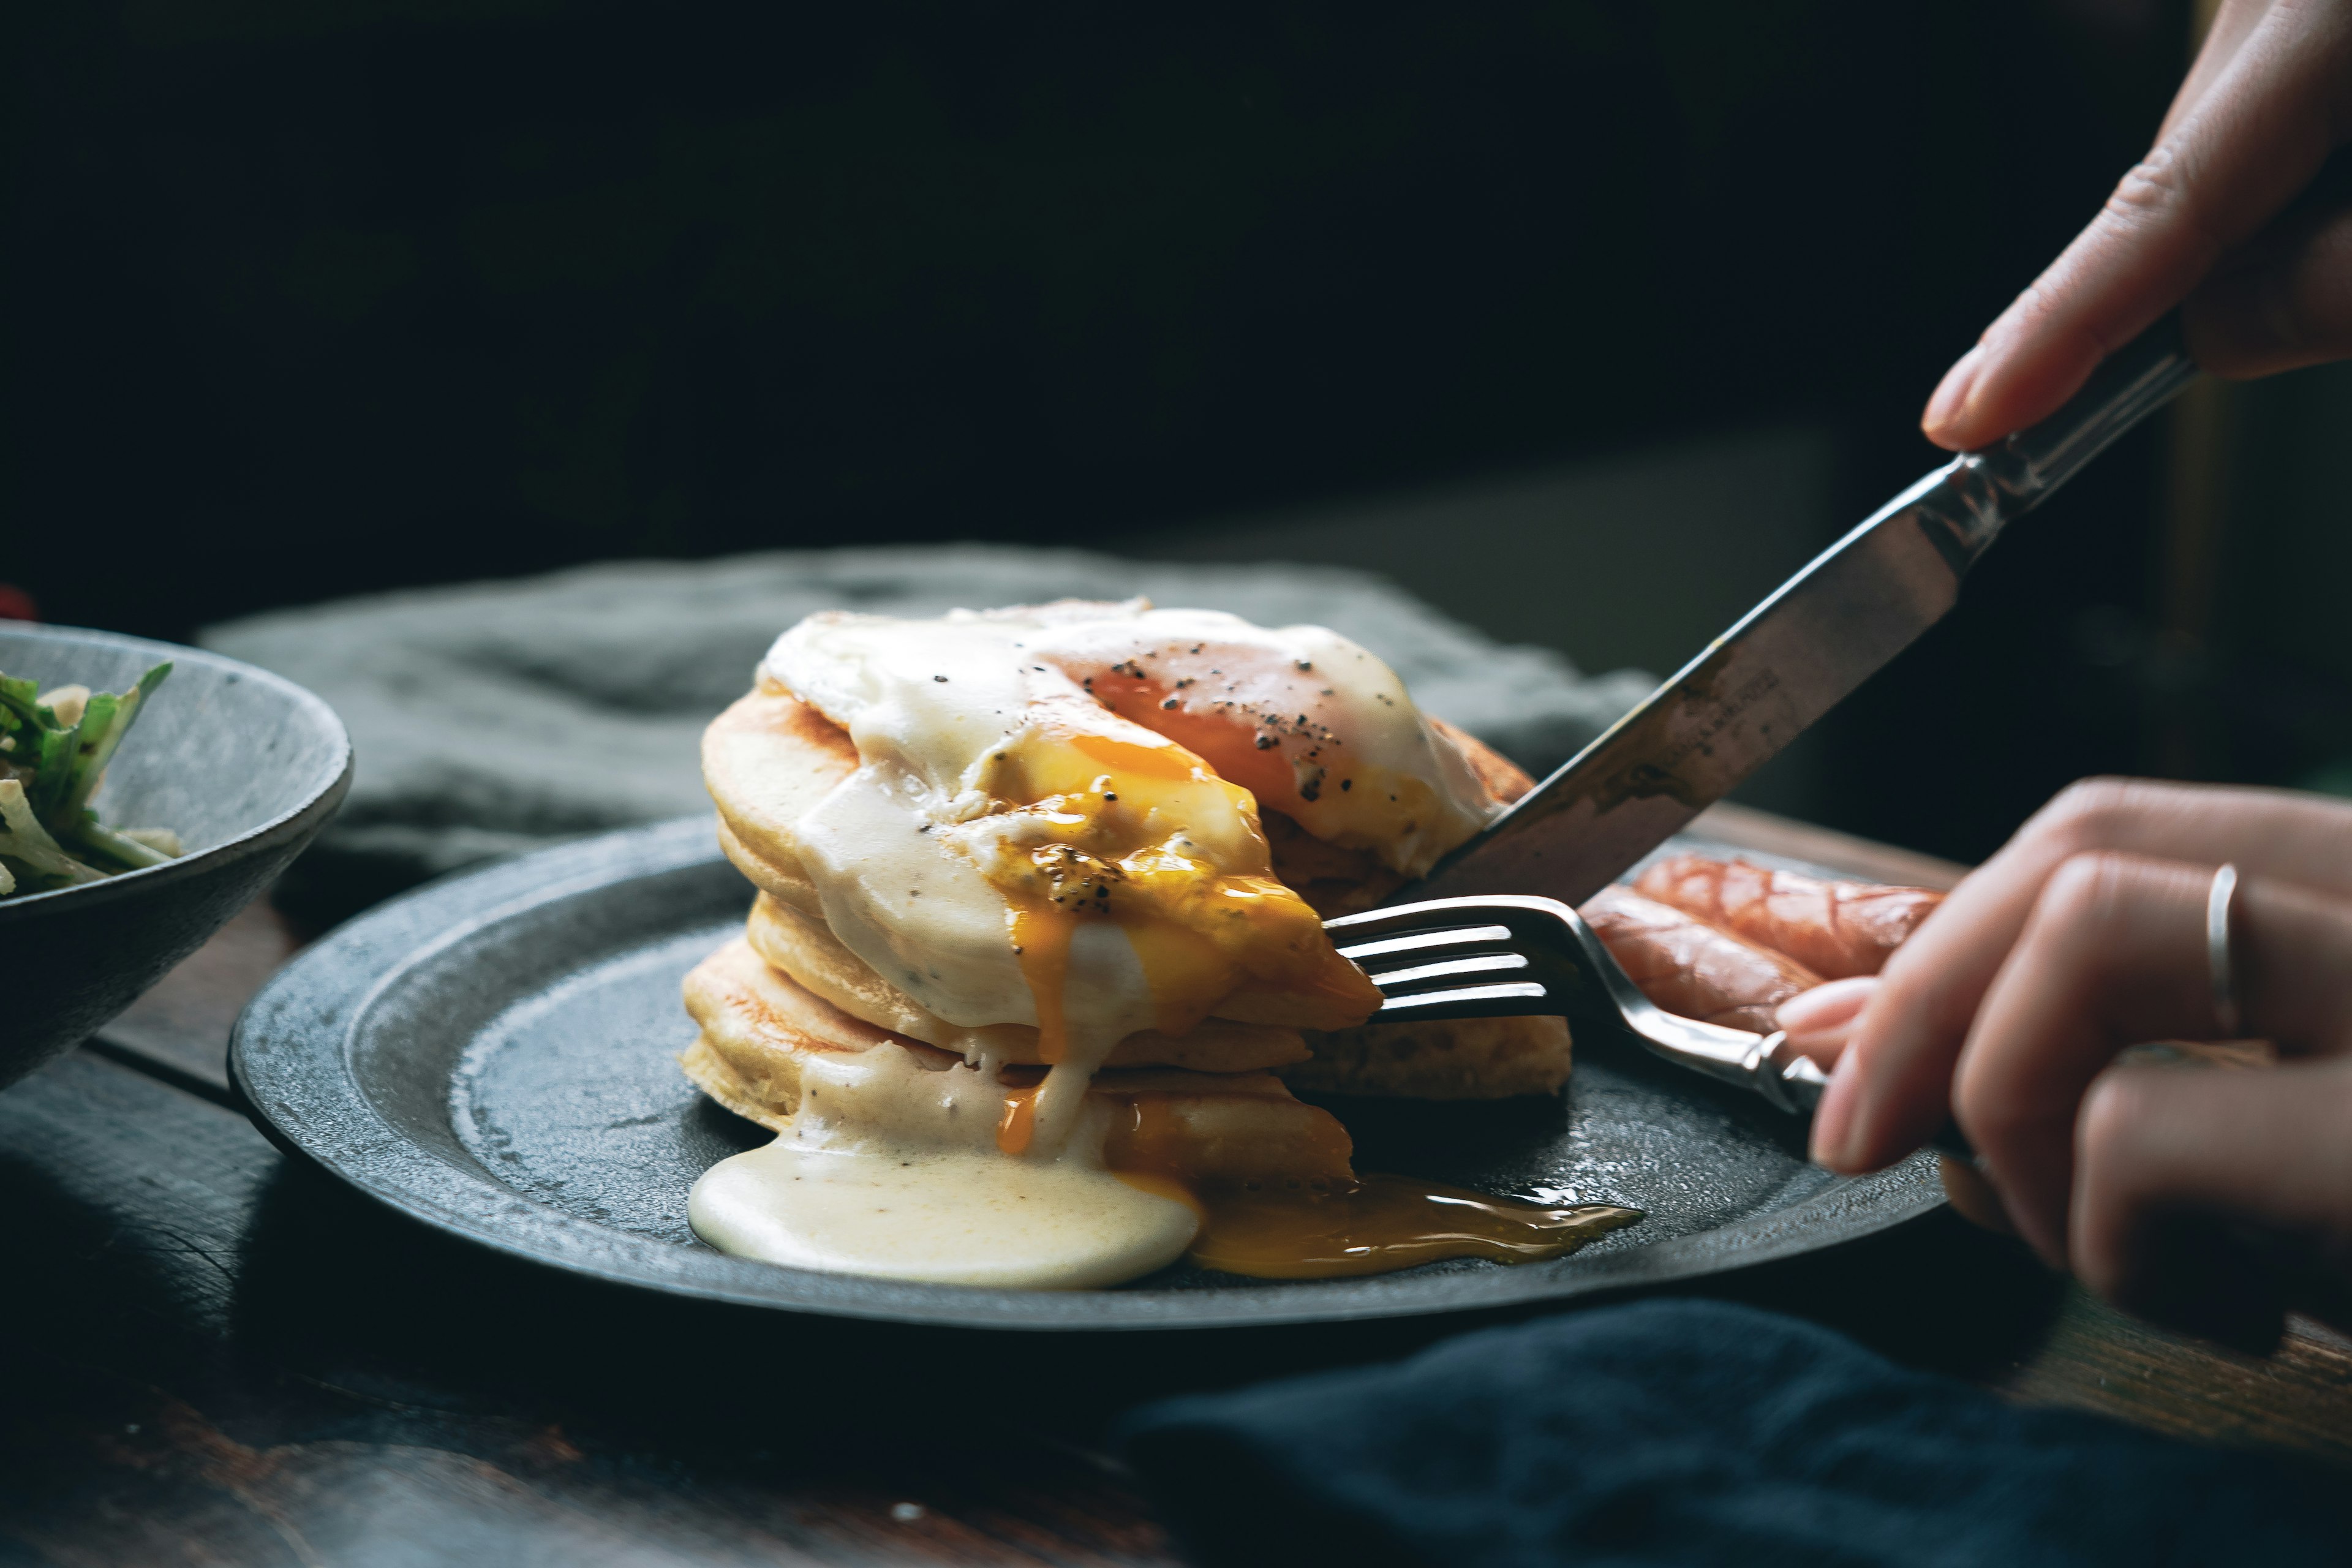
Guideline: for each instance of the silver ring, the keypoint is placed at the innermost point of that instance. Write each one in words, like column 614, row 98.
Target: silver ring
column 2217, row 949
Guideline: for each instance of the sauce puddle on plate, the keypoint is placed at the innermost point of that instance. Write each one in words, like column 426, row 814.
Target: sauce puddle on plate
column 1374, row 1226
column 894, row 1169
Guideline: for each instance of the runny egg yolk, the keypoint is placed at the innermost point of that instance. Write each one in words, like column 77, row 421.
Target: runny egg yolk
column 1143, row 834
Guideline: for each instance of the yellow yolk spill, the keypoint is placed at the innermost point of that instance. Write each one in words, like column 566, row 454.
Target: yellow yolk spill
column 1379, row 1224
column 1041, row 940
column 1018, row 1129
column 1112, row 829
column 1372, row 1224
column 1337, row 1225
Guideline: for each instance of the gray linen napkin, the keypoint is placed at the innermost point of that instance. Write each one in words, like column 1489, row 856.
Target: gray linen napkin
column 500, row 717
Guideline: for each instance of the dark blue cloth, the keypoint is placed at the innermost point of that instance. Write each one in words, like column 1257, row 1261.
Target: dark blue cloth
column 1693, row 1432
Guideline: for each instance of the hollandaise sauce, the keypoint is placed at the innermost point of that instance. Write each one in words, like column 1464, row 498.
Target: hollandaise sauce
column 892, row 1168
column 952, row 1218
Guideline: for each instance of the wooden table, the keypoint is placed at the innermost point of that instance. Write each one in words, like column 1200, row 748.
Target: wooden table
column 213, row 1355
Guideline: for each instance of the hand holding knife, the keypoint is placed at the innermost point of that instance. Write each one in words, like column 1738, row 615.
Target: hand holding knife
column 1787, row 662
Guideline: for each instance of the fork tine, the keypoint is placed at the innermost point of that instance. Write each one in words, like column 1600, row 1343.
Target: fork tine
column 1406, row 917
column 1522, row 921
column 1579, row 976
column 1390, row 980
column 1422, row 941
column 1526, row 992
column 1450, row 930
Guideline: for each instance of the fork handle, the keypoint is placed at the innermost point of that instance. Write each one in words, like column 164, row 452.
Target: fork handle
column 1797, row 1085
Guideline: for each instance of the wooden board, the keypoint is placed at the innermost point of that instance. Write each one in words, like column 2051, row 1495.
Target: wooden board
column 211, row 1358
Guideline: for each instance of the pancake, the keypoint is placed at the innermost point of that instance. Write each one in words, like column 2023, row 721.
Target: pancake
column 802, row 948
column 767, row 760
column 1460, row 1059
column 770, row 757
column 760, row 1031
column 1039, row 939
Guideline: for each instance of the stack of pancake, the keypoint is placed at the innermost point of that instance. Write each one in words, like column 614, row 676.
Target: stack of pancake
column 1211, row 1104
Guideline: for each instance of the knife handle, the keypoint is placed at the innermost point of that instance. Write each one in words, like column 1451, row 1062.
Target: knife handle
column 1965, row 504
column 2132, row 382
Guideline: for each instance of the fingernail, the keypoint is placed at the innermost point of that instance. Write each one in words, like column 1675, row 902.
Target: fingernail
column 1832, row 1133
column 1825, row 1007
column 1951, row 396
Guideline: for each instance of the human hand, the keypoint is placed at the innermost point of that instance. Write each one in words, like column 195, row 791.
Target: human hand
column 2083, row 936
column 2209, row 220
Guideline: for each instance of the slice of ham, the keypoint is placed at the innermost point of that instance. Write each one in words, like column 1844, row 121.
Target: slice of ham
column 1834, row 929
column 1689, row 967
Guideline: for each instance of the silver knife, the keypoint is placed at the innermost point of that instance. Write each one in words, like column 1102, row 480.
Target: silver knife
column 1797, row 654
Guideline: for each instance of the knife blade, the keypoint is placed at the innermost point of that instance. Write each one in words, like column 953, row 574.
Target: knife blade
column 1800, row 652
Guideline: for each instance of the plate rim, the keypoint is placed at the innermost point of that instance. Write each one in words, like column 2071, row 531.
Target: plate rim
column 290, row 1068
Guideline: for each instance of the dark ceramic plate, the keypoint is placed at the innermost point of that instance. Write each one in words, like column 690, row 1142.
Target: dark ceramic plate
column 495, row 1055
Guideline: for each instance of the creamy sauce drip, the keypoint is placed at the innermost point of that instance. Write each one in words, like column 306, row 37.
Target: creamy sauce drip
column 891, row 1168
column 951, row 1219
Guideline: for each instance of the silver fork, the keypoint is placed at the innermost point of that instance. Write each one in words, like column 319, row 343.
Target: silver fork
column 1511, row 956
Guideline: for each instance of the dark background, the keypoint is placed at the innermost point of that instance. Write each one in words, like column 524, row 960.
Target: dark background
column 305, row 300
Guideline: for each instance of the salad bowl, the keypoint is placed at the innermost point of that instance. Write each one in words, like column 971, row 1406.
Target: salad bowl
column 243, row 767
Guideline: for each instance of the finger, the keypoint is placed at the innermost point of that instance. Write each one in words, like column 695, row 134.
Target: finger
column 1816, row 1022
column 2286, row 302
column 1971, row 1197
column 2234, row 24
column 2115, row 953
column 2114, row 950
column 2160, row 1150
column 1908, row 1037
column 2232, row 161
